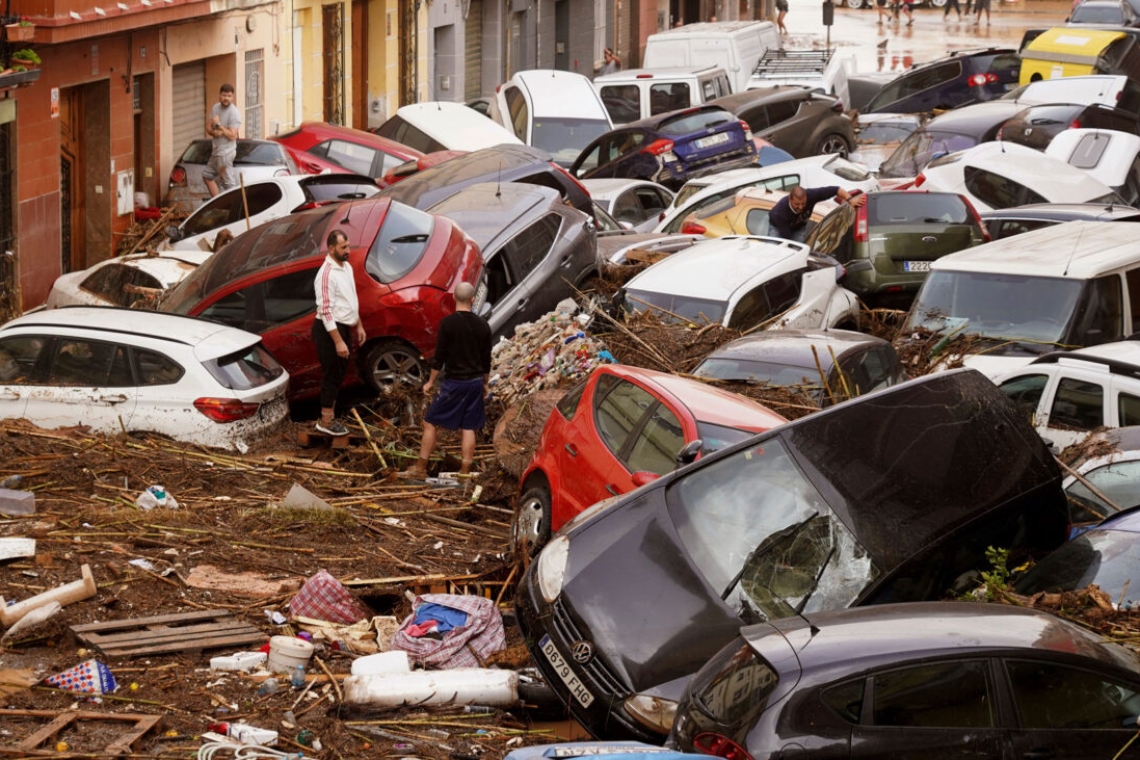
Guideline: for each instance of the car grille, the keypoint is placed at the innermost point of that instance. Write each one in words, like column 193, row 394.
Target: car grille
column 595, row 671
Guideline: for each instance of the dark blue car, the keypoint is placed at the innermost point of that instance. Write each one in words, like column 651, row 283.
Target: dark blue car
column 670, row 148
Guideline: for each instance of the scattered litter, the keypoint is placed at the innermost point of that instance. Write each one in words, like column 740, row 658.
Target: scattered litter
column 382, row 663
column 325, row 598
column 470, row 628
column 145, row 564
column 275, row 617
column 16, row 503
column 57, row 722
column 84, row 588
column 286, row 653
column 246, row 734
column 14, row 548
column 88, row 677
column 156, row 496
column 300, row 497
column 32, row 620
column 240, row 661
column 460, row 686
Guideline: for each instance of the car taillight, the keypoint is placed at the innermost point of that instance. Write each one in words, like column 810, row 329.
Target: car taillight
column 861, row 224
column 225, row 409
column 657, row 147
column 692, row 228
column 1076, row 124
column 747, row 130
column 178, row 177
column 977, row 218
column 719, row 746
column 838, row 107
column 918, row 181
column 977, row 80
column 1000, row 133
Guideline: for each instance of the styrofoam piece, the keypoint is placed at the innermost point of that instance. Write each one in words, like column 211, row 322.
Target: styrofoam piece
column 243, row 661
column 247, row 734
column 382, row 663
column 461, row 686
column 17, row 502
column 286, row 653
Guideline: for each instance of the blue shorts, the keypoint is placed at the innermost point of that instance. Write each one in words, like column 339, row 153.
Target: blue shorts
column 458, row 405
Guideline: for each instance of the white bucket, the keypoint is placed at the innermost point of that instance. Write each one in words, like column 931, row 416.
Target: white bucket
column 381, row 663
column 461, row 686
column 287, row 652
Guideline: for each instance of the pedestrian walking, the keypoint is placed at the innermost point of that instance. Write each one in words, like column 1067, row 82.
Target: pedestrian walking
column 222, row 125
column 881, row 7
column 906, row 9
column 782, row 8
column 789, row 217
column 336, row 327
column 463, row 356
column 982, row 5
column 954, row 5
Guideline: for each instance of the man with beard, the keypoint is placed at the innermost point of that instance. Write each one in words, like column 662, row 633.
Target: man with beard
column 336, row 327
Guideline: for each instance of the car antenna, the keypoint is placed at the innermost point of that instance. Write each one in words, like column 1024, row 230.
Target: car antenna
column 1073, row 252
column 499, row 180
column 347, row 209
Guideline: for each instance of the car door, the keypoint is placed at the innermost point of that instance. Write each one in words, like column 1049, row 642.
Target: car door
column 1077, row 407
column 87, row 382
column 20, row 358
column 536, row 263
column 1066, row 711
column 946, row 708
column 586, row 460
column 234, row 211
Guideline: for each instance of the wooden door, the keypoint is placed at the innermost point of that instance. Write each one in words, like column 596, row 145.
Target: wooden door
column 71, row 179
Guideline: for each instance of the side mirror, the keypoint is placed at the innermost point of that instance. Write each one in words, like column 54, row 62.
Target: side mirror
column 484, row 310
column 173, row 233
column 643, row 477
column 688, row 453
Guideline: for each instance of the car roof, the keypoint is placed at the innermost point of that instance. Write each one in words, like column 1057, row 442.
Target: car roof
column 1027, row 166
column 794, row 347
column 715, row 269
column 761, row 94
column 670, row 72
column 1078, row 249
column 655, row 121
column 477, row 129
column 960, row 55
column 209, row 339
column 974, row 119
column 1065, row 212
column 487, row 163
column 486, row 209
column 706, row 402
column 548, row 93
column 905, row 631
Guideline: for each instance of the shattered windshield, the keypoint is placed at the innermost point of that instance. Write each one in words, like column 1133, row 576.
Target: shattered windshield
column 762, row 534
column 1000, row 306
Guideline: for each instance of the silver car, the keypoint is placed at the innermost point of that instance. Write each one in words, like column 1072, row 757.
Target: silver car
column 256, row 159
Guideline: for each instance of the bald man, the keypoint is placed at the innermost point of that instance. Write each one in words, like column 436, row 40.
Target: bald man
column 463, row 356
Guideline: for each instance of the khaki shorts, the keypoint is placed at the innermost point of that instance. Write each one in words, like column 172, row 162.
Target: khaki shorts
column 221, row 168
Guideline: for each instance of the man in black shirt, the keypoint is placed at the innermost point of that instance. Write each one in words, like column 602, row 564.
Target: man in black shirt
column 463, row 355
column 789, row 217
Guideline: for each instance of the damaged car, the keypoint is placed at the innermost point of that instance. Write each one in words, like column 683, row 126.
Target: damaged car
column 889, row 497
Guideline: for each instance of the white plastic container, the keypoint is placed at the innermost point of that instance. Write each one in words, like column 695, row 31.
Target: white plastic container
column 462, row 686
column 247, row 734
column 382, row 663
column 286, row 653
column 243, row 661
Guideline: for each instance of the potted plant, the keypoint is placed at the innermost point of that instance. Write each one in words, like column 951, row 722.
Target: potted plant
column 26, row 58
column 21, row 31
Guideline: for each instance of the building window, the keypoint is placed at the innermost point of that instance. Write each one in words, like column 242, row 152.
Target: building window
column 254, row 76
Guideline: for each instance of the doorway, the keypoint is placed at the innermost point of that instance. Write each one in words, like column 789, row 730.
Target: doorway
column 71, row 170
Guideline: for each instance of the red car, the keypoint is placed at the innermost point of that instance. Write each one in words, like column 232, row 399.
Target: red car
column 407, row 263
column 617, row 430
column 316, row 146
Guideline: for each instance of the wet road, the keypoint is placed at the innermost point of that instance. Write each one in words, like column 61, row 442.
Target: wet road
column 929, row 37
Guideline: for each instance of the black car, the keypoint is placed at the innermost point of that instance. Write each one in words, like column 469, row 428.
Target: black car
column 888, row 497
column 501, row 163
column 940, row 679
column 948, row 132
column 799, row 120
column 1036, row 126
column 966, row 76
column 1006, row 222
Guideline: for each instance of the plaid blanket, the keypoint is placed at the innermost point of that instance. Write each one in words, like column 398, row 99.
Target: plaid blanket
column 466, row 646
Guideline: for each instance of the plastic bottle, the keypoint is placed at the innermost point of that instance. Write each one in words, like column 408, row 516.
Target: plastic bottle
column 268, row 686
column 298, row 677
column 12, row 481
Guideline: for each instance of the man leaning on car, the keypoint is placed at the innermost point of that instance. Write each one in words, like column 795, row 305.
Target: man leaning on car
column 789, row 217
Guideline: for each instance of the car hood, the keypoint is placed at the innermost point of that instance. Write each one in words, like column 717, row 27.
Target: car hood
column 903, row 469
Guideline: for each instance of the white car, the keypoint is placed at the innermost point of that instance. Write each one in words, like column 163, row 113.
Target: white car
column 262, row 200
column 1071, row 393
column 1108, row 155
column 634, row 202
column 1001, row 175
column 1106, row 89
column 744, row 282
column 1113, row 470
column 440, row 125
column 125, row 280
column 115, row 370
column 815, row 171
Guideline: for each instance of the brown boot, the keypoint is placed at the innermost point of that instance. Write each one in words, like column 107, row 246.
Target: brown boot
column 417, row 471
column 465, row 467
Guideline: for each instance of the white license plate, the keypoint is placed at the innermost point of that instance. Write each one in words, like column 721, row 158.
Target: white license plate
column 708, row 142
column 562, row 668
column 916, row 266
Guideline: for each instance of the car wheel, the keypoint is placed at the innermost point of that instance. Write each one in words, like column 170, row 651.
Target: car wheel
column 392, row 362
column 855, row 4
column 833, row 143
column 531, row 529
column 938, row 3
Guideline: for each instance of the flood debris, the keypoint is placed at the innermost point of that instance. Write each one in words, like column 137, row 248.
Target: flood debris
column 84, row 588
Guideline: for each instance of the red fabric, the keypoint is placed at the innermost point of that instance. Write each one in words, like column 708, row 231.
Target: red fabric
column 324, row 597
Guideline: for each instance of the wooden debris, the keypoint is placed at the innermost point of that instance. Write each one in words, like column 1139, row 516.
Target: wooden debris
column 12, row 548
column 163, row 634
column 60, row 721
column 84, row 588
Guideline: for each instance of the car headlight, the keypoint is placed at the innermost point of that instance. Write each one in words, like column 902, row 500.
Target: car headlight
column 551, row 567
column 654, row 713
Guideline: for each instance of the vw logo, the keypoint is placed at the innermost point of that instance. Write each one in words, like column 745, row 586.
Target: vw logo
column 582, row 652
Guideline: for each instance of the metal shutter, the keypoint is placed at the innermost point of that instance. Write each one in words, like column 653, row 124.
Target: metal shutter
column 473, row 45
column 189, row 82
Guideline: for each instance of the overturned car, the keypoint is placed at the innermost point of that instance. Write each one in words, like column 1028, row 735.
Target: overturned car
column 889, row 497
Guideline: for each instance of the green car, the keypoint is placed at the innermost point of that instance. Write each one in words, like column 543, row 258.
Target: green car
column 887, row 245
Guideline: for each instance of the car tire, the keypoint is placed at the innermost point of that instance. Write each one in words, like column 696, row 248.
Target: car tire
column 832, row 143
column 938, row 3
column 392, row 362
column 854, row 4
column 531, row 527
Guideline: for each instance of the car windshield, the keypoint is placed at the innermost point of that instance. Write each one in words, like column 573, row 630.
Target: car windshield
column 716, row 437
column 687, row 191
column 760, row 532
column 564, row 138
column 752, row 371
column 917, row 150
column 993, row 305
column 1108, row 558
column 877, row 133
column 684, row 124
column 1097, row 13
column 401, row 243
column 844, row 169
column 916, row 208
column 675, row 306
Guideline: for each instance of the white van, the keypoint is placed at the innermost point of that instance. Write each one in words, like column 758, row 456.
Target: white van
column 735, row 45
column 559, row 112
column 640, row 93
column 1108, row 155
column 442, row 125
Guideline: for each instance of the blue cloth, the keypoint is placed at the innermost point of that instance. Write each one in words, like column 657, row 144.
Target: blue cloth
column 447, row 617
column 458, row 405
column 785, row 223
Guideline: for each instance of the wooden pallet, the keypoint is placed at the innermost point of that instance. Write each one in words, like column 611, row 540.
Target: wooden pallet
column 61, row 720
column 163, row 634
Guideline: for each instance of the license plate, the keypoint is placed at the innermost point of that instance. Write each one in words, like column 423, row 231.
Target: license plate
column 562, row 668
column 711, row 140
column 916, row 266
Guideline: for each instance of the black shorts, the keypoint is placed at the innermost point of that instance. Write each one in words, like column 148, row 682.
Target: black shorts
column 782, row 5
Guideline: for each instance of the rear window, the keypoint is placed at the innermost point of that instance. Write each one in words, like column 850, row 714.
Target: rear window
column 242, row 370
column 997, row 191
column 695, row 122
column 259, row 153
column 1088, row 152
column 198, row 152
column 1007, row 66
column 1095, row 13
column 917, row 208
column 734, row 686
column 622, row 101
column 671, row 306
column 1050, row 115
column 401, row 243
column 917, row 151
column 340, row 190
